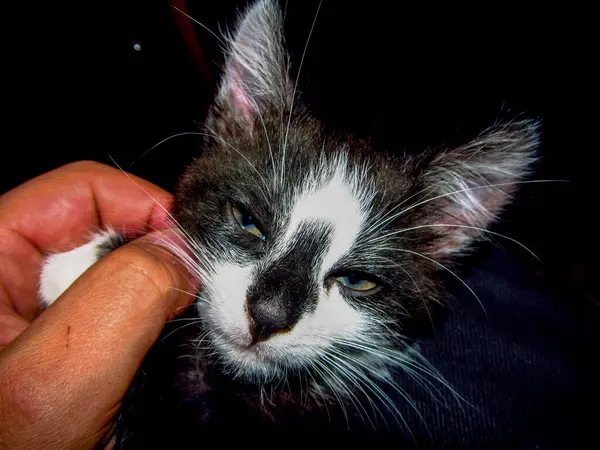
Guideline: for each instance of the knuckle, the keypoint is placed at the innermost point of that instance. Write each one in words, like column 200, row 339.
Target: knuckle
column 84, row 166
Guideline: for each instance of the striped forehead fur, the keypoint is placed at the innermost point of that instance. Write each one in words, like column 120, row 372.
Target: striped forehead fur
column 335, row 194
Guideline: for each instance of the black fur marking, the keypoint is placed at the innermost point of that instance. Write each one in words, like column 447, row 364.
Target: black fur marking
column 287, row 288
column 113, row 242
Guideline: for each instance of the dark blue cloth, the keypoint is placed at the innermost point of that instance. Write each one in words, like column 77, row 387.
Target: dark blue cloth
column 528, row 366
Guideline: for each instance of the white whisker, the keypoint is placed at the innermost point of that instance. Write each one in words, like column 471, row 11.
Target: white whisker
column 180, row 328
column 296, row 87
column 483, row 230
column 445, row 268
column 199, row 23
column 351, row 374
column 317, row 368
column 340, row 385
column 416, row 286
column 460, row 191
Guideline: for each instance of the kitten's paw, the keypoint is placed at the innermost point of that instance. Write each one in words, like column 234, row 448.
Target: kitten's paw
column 62, row 269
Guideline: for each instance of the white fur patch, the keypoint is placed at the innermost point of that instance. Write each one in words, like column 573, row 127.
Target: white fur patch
column 62, row 269
column 225, row 305
column 336, row 204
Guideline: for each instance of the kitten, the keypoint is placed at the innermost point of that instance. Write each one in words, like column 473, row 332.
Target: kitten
column 319, row 257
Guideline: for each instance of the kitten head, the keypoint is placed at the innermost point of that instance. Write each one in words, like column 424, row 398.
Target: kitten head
column 310, row 245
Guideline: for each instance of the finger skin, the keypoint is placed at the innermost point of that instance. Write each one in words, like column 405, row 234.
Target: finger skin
column 63, row 378
column 58, row 211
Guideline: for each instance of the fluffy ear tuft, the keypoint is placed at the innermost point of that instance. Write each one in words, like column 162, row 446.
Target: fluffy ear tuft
column 256, row 66
column 472, row 184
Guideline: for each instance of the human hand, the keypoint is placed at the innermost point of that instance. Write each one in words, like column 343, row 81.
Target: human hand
column 64, row 372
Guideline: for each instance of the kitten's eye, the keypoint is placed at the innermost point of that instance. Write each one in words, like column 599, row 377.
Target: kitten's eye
column 247, row 222
column 356, row 282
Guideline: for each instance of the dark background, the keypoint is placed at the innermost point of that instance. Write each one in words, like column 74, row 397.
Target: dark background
column 74, row 88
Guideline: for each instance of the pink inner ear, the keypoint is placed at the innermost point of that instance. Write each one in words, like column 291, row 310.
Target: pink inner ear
column 241, row 102
column 242, row 105
column 451, row 240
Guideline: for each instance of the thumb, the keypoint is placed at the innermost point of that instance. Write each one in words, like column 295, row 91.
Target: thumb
column 63, row 378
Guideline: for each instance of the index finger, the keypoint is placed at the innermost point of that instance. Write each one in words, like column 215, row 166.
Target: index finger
column 56, row 211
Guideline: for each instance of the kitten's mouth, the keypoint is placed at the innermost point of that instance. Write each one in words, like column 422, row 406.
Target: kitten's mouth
column 262, row 334
column 258, row 360
column 258, row 351
column 255, row 347
column 246, row 344
column 256, row 357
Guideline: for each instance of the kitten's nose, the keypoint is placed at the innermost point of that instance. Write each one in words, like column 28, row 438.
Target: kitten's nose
column 269, row 317
column 286, row 289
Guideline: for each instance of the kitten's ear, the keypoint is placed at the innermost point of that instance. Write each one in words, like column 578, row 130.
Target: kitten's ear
column 472, row 184
column 256, row 67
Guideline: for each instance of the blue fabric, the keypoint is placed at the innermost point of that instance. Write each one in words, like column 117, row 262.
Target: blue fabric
column 526, row 366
